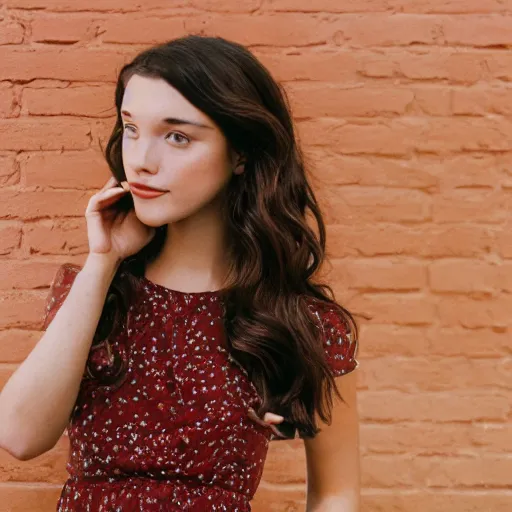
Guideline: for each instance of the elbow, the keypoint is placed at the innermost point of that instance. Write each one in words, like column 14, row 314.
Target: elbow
column 15, row 446
column 15, row 450
column 19, row 452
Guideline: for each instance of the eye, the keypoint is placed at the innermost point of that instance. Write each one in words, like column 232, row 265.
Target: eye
column 129, row 128
column 178, row 138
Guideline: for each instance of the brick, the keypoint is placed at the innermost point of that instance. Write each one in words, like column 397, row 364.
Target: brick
column 11, row 32
column 88, row 101
column 497, row 65
column 481, row 31
column 441, row 501
column 16, row 204
column 384, row 30
column 463, row 276
column 226, row 5
column 442, row 407
column 26, row 274
column 368, row 239
column 435, row 439
column 389, row 308
column 384, row 275
column 68, row 63
column 345, row 204
column 30, row 497
column 85, row 5
column 54, row 28
column 57, row 237
column 379, row 340
column 323, row 100
column 503, row 241
column 481, row 342
column 413, row 374
column 445, row 135
column 7, row 101
column 392, row 6
column 438, row 63
column 469, row 171
column 322, row 66
column 16, row 344
column 435, row 471
column 21, row 309
column 474, row 313
column 10, row 236
column 390, row 138
column 433, row 101
column 43, row 134
column 9, row 171
column 271, row 498
column 70, row 169
column 330, row 168
column 489, row 207
column 128, row 28
column 288, row 463
column 482, row 100
column 269, row 30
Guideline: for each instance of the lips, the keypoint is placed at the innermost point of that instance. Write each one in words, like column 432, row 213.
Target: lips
column 145, row 192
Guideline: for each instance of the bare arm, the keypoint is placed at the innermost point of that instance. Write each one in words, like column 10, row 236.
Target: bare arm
column 37, row 401
column 333, row 455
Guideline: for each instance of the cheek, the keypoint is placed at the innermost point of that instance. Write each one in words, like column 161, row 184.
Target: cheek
column 204, row 169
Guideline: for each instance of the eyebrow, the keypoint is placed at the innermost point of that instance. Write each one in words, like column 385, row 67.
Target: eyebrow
column 173, row 120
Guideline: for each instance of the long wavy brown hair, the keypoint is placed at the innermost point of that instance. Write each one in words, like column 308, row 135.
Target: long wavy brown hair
column 275, row 252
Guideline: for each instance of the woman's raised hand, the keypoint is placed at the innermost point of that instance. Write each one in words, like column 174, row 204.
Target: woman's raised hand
column 112, row 231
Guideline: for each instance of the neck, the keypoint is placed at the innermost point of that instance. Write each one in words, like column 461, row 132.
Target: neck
column 194, row 257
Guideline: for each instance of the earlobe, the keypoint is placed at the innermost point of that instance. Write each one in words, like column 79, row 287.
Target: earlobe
column 239, row 165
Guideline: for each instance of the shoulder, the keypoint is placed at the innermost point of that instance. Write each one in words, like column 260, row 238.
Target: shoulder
column 337, row 335
column 59, row 289
column 61, row 285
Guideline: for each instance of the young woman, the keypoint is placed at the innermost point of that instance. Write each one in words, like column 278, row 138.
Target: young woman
column 194, row 333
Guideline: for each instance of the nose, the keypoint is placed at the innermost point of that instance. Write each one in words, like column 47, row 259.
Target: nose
column 141, row 157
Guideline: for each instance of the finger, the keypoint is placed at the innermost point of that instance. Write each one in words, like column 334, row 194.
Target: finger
column 109, row 184
column 252, row 414
column 277, row 432
column 270, row 417
column 101, row 200
column 110, row 193
column 254, row 417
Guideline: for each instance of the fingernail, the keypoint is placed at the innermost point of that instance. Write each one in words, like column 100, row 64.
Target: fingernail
column 125, row 185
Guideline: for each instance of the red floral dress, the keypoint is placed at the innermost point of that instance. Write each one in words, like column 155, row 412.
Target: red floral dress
column 170, row 430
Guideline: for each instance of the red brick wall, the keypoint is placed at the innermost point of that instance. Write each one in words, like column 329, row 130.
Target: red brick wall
column 403, row 107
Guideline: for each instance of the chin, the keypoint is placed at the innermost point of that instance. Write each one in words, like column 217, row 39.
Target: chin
column 153, row 220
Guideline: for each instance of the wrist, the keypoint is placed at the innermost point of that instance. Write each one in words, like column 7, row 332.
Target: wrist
column 102, row 263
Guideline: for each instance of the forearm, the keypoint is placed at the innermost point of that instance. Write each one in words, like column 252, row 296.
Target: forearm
column 37, row 401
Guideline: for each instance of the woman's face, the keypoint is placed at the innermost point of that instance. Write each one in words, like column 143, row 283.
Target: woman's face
column 169, row 144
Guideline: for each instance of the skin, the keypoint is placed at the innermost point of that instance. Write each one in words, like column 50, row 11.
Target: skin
column 194, row 163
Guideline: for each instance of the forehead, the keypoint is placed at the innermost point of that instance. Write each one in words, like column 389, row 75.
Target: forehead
column 153, row 99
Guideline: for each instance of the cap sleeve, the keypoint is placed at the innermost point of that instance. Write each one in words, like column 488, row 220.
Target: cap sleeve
column 339, row 344
column 59, row 289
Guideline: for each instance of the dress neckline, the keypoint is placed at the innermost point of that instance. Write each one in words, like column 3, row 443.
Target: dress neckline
column 179, row 293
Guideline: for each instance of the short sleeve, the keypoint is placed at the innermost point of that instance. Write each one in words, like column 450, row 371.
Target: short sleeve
column 59, row 289
column 339, row 343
